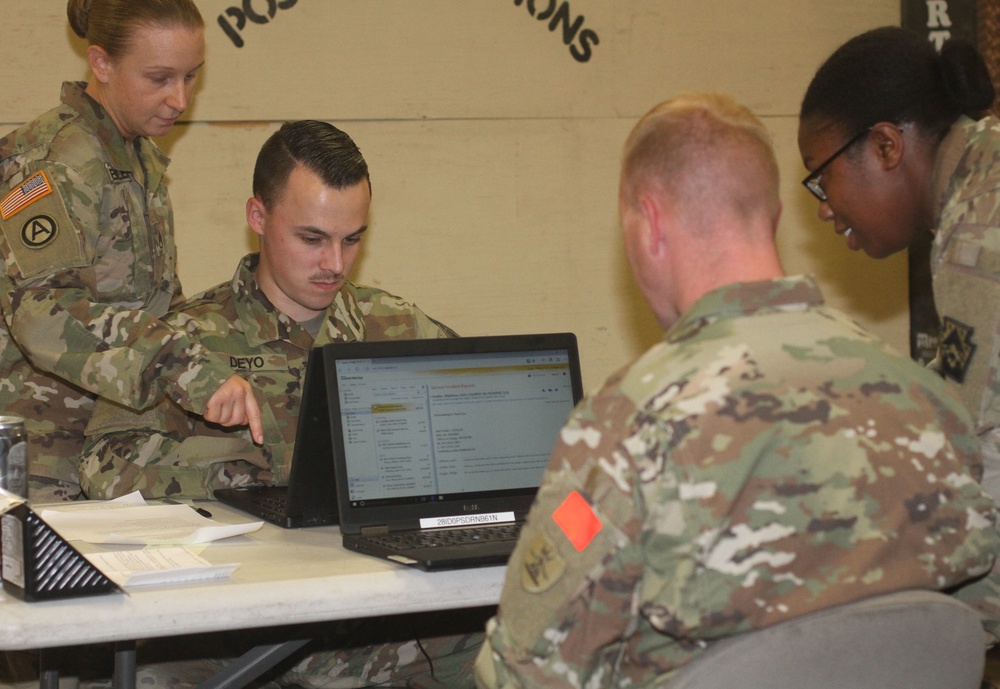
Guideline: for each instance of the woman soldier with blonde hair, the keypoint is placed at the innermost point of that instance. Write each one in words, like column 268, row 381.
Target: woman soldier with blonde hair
column 87, row 238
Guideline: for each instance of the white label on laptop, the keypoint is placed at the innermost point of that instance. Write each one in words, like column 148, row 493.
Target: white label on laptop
column 467, row 520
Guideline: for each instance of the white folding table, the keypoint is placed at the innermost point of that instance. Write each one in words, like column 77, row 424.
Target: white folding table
column 285, row 577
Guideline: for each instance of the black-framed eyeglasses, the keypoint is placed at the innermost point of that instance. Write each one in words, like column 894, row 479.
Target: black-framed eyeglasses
column 811, row 182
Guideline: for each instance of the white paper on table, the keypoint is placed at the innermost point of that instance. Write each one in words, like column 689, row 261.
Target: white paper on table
column 143, row 525
column 157, row 566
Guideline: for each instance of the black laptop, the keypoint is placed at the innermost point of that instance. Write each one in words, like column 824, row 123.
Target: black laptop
column 440, row 445
column 309, row 499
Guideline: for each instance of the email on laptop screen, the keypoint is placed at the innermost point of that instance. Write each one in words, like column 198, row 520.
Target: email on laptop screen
column 426, row 428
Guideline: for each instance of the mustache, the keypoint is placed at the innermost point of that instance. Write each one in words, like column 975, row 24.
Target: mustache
column 326, row 277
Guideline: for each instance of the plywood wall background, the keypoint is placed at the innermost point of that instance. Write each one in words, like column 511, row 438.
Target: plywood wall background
column 493, row 130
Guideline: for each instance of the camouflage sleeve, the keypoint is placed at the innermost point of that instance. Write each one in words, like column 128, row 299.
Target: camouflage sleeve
column 84, row 328
column 164, row 452
column 570, row 588
column 388, row 317
column 966, row 279
column 966, row 285
column 129, row 356
column 177, row 299
column 984, row 594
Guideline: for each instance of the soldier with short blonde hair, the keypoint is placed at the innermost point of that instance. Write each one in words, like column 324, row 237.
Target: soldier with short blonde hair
column 767, row 459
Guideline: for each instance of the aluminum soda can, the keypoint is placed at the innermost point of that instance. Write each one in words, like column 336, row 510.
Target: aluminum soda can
column 13, row 455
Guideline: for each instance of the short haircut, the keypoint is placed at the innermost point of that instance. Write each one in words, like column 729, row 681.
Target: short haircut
column 319, row 146
column 706, row 151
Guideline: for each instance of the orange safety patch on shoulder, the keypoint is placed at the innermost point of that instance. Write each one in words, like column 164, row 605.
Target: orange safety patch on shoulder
column 577, row 520
column 25, row 194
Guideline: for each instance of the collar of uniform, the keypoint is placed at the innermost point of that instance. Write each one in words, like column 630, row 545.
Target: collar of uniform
column 345, row 321
column 263, row 323
column 105, row 129
column 154, row 161
column 950, row 154
column 745, row 299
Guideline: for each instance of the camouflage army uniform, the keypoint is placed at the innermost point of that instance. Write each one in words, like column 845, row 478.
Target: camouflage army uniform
column 767, row 460
column 87, row 240
column 965, row 266
column 167, row 451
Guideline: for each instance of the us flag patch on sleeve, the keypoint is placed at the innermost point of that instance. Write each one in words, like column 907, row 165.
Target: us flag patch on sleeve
column 23, row 195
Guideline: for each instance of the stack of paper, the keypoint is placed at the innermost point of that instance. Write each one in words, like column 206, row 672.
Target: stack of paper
column 157, row 566
column 130, row 521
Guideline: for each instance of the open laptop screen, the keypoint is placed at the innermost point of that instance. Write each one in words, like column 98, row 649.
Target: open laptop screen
column 449, row 420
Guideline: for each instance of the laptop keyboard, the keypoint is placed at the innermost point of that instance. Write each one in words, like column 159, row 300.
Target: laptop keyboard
column 258, row 499
column 275, row 503
column 446, row 537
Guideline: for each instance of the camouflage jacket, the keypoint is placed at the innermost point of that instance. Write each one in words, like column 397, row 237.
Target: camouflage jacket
column 169, row 452
column 768, row 459
column 965, row 265
column 87, row 241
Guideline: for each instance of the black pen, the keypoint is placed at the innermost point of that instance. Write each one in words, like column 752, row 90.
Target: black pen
column 200, row 510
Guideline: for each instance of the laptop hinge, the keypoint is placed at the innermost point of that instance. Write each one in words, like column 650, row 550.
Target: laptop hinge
column 374, row 530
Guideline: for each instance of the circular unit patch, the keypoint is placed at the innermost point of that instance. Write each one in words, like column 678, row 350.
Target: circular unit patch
column 39, row 232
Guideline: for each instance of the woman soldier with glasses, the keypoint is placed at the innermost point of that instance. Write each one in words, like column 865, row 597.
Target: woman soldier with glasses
column 897, row 145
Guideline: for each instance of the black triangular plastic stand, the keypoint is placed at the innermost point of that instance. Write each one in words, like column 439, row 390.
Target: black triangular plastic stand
column 39, row 564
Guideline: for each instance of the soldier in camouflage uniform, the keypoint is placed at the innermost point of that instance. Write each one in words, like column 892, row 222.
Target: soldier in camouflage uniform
column 767, row 459
column 86, row 236
column 169, row 452
column 921, row 125
column 310, row 208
